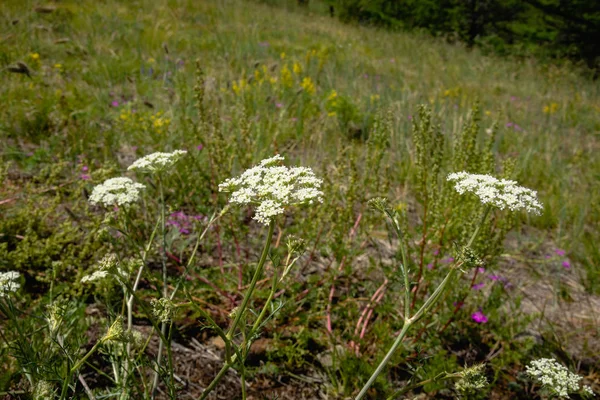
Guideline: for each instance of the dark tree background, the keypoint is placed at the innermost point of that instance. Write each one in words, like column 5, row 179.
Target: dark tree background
column 549, row 28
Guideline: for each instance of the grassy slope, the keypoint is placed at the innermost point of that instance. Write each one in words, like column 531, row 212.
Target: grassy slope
column 103, row 49
column 94, row 53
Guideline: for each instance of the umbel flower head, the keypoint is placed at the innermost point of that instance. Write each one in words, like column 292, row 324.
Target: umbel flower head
column 116, row 191
column 157, row 162
column 272, row 187
column 8, row 282
column 501, row 193
column 554, row 377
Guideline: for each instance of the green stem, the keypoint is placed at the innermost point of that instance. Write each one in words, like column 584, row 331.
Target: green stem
column 163, row 326
column 385, row 360
column 257, row 274
column 240, row 311
column 476, row 232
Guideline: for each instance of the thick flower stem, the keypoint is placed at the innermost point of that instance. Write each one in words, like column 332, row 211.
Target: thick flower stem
column 257, row 274
column 385, row 360
column 242, row 308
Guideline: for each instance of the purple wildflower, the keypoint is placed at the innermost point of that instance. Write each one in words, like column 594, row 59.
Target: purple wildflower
column 495, row 277
column 184, row 223
column 85, row 177
column 436, row 251
column 430, row 266
column 115, row 103
column 481, row 270
column 566, row 264
column 479, row 317
column 560, row 252
column 278, row 105
column 509, row 124
column 448, row 260
column 199, row 147
column 477, row 286
column 84, row 168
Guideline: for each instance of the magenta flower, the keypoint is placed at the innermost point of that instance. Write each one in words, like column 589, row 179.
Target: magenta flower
column 184, row 223
column 85, row 177
column 199, row 147
column 115, row 103
column 495, row 277
column 430, row 266
column 481, row 270
column 477, row 286
column 560, row 252
column 84, row 168
column 566, row 264
column 448, row 260
column 479, row 317
column 278, row 105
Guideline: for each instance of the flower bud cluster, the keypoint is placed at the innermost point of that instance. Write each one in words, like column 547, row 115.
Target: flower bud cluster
column 500, row 193
column 8, row 282
column 163, row 309
column 471, row 379
column 272, row 187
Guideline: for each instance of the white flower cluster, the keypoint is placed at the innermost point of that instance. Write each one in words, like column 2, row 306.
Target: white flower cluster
column 8, row 282
column 554, row 376
column 116, row 191
column 271, row 187
column 107, row 267
column 156, row 162
column 97, row 275
column 587, row 390
column 501, row 193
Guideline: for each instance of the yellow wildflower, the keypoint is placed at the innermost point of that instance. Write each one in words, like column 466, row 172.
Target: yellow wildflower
column 282, row 56
column 58, row 66
column 34, row 56
column 297, row 68
column 286, row 77
column 308, row 85
column 550, row 108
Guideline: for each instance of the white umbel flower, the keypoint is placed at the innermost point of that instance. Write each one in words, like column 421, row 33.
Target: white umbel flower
column 8, row 282
column 272, row 187
column 554, row 377
column 157, row 162
column 107, row 267
column 501, row 193
column 98, row 275
column 116, row 191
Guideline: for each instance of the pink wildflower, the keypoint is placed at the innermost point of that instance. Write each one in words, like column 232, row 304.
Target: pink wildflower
column 479, row 317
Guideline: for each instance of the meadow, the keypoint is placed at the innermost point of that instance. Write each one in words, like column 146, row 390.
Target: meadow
column 154, row 295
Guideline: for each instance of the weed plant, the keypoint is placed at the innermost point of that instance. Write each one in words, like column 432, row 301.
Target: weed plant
column 103, row 285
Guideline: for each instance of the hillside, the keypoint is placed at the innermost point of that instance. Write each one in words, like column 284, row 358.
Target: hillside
column 90, row 86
